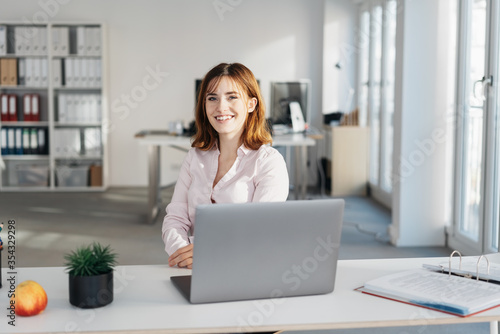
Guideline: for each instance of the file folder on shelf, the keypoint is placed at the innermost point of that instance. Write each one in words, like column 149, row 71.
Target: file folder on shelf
column 19, row 141
column 3, row 40
column 35, row 107
column 3, row 141
column 4, row 107
column 43, row 40
column 80, row 41
column 42, row 141
column 28, row 75
column 56, row 41
column 11, row 140
column 21, row 45
column 8, row 72
column 4, row 72
column 68, row 72
column 21, row 79
column 13, row 72
column 63, row 39
column 27, row 107
column 56, row 73
column 44, row 73
column 37, row 72
column 26, row 141
column 33, row 141
column 13, row 108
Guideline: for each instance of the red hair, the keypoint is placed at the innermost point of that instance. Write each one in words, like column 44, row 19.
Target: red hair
column 255, row 131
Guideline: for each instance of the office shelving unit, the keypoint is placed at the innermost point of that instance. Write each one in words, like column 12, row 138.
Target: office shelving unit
column 68, row 61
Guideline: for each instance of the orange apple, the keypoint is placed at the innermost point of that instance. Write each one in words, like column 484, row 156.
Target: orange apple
column 29, row 298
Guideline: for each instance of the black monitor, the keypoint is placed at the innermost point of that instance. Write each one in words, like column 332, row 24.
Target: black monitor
column 282, row 93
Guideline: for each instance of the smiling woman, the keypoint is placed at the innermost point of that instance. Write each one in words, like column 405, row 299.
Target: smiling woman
column 230, row 160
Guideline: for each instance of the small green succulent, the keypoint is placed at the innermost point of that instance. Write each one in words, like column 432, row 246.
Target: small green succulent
column 90, row 260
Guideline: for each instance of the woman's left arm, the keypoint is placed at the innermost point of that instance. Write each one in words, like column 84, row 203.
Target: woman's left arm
column 271, row 181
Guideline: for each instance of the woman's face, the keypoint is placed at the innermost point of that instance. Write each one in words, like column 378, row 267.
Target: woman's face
column 227, row 108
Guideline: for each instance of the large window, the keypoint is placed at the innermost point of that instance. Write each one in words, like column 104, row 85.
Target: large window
column 477, row 200
column 376, row 68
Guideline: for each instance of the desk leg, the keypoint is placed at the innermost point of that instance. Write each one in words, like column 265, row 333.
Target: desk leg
column 494, row 327
column 154, row 182
column 300, row 188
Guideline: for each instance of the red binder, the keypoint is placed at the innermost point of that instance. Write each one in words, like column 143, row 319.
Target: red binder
column 4, row 107
column 35, row 107
column 27, row 107
column 12, row 107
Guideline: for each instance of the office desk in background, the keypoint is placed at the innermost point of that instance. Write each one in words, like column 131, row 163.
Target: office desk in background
column 145, row 301
column 155, row 139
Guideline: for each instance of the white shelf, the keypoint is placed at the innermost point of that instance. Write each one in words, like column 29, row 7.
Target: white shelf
column 26, row 124
column 9, row 56
column 78, row 89
column 34, row 157
column 31, row 88
column 73, row 125
column 78, row 158
column 9, row 178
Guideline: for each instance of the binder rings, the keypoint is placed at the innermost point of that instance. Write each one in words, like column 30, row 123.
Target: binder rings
column 440, row 290
column 484, row 267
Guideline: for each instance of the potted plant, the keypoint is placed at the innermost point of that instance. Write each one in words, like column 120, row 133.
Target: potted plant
column 90, row 270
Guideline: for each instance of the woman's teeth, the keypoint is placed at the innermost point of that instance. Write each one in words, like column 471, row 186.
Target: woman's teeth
column 223, row 118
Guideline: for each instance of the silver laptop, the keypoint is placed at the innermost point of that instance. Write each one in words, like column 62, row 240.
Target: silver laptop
column 263, row 250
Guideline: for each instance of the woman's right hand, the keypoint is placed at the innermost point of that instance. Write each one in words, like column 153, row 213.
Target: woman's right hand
column 183, row 257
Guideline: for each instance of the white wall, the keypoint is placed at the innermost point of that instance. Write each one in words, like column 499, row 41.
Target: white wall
column 420, row 130
column 277, row 40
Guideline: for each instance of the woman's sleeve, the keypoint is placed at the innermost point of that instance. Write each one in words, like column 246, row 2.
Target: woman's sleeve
column 176, row 224
column 271, row 182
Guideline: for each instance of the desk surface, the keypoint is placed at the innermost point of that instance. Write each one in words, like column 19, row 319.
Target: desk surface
column 146, row 301
column 296, row 139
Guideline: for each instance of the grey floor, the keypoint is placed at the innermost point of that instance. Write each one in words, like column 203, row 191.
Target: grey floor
column 50, row 224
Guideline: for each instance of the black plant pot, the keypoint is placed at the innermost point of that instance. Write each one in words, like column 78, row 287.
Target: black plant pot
column 91, row 291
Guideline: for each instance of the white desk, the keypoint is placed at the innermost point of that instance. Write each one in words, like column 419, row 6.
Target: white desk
column 299, row 141
column 145, row 301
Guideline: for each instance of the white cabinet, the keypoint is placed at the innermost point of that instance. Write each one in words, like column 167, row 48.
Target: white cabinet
column 52, row 80
column 347, row 160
